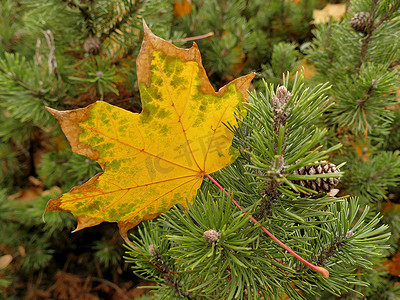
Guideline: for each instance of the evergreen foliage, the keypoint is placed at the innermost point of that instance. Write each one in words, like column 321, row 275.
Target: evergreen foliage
column 245, row 263
column 285, row 57
column 65, row 168
column 246, row 33
column 358, row 56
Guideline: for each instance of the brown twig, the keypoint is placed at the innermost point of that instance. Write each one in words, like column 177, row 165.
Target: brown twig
column 333, row 248
column 363, row 100
column 112, row 285
column 51, row 60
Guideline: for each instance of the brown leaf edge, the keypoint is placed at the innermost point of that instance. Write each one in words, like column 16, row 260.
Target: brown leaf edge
column 152, row 43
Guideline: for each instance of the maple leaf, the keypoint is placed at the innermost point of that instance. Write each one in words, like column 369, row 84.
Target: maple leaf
column 158, row 158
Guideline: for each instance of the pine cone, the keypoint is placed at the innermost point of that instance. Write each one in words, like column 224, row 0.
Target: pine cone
column 359, row 21
column 92, row 45
column 321, row 185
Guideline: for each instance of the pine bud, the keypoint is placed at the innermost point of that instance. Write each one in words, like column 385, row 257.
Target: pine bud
column 211, row 236
column 281, row 163
column 359, row 21
column 99, row 74
column 152, row 250
column 92, row 45
column 281, row 92
column 280, row 100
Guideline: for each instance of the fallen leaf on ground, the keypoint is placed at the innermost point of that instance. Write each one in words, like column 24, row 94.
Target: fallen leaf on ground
column 21, row 251
column 27, row 194
column 139, row 291
column 158, row 158
column 182, row 8
column 334, row 11
column 5, row 260
column 309, row 69
column 393, row 265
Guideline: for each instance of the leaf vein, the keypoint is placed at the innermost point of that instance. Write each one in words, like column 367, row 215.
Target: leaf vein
column 179, row 116
column 163, row 195
column 130, row 188
column 141, row 150
column 213, row 135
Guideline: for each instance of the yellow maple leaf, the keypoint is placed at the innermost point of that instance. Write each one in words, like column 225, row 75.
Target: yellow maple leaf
column 158, row 158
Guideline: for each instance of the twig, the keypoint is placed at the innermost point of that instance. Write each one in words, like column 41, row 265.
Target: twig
column 126, row 239
column 51, row 60
column 364, row 99
column 113, row 285
column 394, row 64
column 85, row 13
column 334, row 247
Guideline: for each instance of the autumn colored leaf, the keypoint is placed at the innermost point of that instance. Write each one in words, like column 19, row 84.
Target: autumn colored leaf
column 5, row 260
column 182, row 8
column 307, row 69
column 158, row 158
column 334, row 11
column 393, row 265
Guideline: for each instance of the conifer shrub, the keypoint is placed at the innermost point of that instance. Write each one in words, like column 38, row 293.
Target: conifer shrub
column 67, row 54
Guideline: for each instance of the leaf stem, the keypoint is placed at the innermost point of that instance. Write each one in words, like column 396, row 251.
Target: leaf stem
column 324, row 272
column 194, row 38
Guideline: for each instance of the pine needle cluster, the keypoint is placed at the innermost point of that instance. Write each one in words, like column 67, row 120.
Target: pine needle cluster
column 241, row 262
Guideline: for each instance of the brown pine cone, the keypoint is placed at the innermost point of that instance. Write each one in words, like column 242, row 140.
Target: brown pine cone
column 321, row 185
column 359, row 21
column 92, row 45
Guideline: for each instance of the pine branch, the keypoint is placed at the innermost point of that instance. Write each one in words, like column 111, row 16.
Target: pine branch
column 161, row 264
column 173, row 284
column 85, row 13
column 125, row 18
column 363, row 101
column 34, row 93
column 331, row 54
column 371, row 28
column 332, row 248
column 15, row 79
column 387, row 15
column 324, row 272
column 367, row 94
